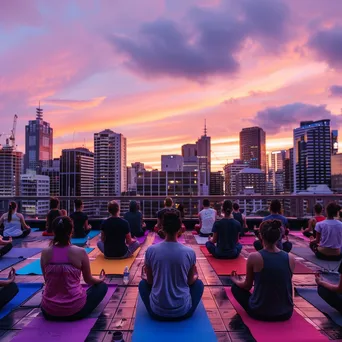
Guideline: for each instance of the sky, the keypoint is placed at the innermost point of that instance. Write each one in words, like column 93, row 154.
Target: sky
column 154, row 70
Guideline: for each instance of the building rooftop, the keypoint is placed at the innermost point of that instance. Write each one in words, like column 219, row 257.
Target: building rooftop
column 251, row 170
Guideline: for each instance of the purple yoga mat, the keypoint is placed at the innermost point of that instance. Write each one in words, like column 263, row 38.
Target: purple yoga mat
column 142, row 239
column 41, row 329
column 157, row 239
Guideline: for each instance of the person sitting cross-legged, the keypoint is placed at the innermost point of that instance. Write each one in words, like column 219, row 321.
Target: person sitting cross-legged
column 310, row 230
column 8, row 288
column 328, row 242
column 225, row 241
column 116, row 240
column 81, row 223
column 170, row 288
column 135, row 219
column 5, row 245
column 270, row 269
column 207, row 218
column 275, row 209
column 52, row 215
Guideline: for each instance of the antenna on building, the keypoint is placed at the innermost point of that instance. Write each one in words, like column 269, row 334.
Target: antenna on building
column 39, row 112
column 205, row 127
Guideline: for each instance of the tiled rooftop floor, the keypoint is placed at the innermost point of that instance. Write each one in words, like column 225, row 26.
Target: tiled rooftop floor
column 120, row 311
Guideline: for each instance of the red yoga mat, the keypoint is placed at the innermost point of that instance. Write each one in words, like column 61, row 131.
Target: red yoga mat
column 225, row 266
column 247, row 240
column 296, row 329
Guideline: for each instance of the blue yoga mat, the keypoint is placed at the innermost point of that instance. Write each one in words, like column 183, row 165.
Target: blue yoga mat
column 35, row 229
column 312, row 297
column 195, row 329
column 34, row 267
column 83, row 241
column 26, row 290
column 8, row 262
column 23, row 252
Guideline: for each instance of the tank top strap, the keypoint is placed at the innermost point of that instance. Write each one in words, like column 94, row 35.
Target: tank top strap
column 272, row 259
column 60, row 255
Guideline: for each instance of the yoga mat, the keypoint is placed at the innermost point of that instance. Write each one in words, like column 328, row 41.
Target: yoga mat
column 225, row 266
column 194, row 329
column 296, row 329
column 77, row 331
column 299, row 235
column 35, row 229
column 311, row 295
column 34, row 267
column 307, row 253
column 201, row 240
column 23, row 252
column 26, row 290
column 7, row 262
column 302, row 269
column 142, row 239
column 158, row 239
column 247, row 240
column 111, row 266
column 83, row 241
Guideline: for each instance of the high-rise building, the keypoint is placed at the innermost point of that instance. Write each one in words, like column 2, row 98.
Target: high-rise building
column 312, row 154
column 10, row 170
column 275, row 172
column 230, row 172
column 35, row 185
column 189, row 150
column 288, row 172
column 172, row 162
column 38, row 143
column 253, row 147
column 336, row 173
column 216, row 183
column 77, row 177
column 132, row 176
column 334, row 142
column 190, row 159
column 137, row 166
column 251, row 181
column 203, row 149
column 53, row 171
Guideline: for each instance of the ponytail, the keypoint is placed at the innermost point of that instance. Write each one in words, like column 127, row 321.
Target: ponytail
column 227, row 207
column 62, row 227
column 11, row 208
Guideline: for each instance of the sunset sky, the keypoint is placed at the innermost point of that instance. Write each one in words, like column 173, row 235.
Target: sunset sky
column 153, row 70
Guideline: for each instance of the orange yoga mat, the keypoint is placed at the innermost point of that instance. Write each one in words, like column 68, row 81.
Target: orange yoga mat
column 225, row 266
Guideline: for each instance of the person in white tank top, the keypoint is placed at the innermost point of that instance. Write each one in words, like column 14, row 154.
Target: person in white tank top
column 14, row 223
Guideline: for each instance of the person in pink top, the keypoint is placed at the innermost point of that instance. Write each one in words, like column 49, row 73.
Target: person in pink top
column 64, row 298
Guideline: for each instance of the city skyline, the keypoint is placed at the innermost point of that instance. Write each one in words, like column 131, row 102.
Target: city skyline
column 278, row 70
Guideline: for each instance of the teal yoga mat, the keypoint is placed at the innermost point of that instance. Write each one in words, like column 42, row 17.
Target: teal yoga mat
column 83, row 241
column 34, row 267
column 26, row 290
column 195, row 329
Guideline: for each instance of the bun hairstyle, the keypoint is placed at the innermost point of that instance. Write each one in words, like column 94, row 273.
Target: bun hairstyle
column 227, row 207
column 62, row 227
column 171, row 223
column 270, row 231
column 12, row 206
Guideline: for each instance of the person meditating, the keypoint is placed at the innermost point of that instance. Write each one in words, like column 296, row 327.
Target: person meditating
column 8, row 288
column 52, row 214
column 310, row 230
column 135, row 220
column 64, row 298
column 238, row 216
column 271, row 271
column 328, row 242
column 275, row 209
column 207, row 218
column 14, row 223
column 116, row 240
column 225, row 241
column 5, row 245
column 170, row 288
column 80, row 219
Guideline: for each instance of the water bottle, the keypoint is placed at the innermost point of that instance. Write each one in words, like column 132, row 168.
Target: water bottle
column 88, row 242
column 117, row 337
column 126, row 275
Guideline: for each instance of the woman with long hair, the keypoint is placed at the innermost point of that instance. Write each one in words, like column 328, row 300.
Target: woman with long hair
column 135, row 219
column 270, row 269
column 14, row 223
column 62, row 264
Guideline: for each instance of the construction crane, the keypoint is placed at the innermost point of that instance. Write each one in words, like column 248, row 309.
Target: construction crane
column 12, row 137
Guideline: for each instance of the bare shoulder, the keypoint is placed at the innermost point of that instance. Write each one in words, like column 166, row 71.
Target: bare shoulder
column 292, row 261
column 77, row 250
column 255, row 257
column 47, row 252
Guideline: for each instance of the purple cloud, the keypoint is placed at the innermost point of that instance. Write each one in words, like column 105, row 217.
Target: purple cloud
column 276, row 119
column 336, row 90
column 209, row 46
column 327, row 44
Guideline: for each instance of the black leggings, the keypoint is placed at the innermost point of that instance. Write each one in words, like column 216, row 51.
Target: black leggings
column 334, row 299
column 24, row 234
column 242, row 296
column 309, row 234
column 7, row 293
column 95, row 295
column 4, row 250
column 319, row 255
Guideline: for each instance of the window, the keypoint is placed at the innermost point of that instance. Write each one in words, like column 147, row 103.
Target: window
column 32, row 141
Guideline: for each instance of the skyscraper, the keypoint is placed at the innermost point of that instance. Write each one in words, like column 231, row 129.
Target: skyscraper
column 251, row 181
column 38, row 143
column 288, row 172
column 216, row 183
column 77, row 177
column 312, row 154
column 53, row 171
column 275, row 171
column 230, row 172
column 132, row 176
column 189, row 150
column 253, row 147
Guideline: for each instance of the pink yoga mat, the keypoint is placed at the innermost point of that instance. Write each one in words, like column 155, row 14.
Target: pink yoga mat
column 247, row 240
column 142, row 238
column 300, row 235
column 42, row 330
column 157, row 239
column 296, row 329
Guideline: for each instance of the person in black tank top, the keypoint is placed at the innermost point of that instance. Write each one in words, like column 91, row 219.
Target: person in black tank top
column 270, row 269
column 240, row 218
column 52, row 215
